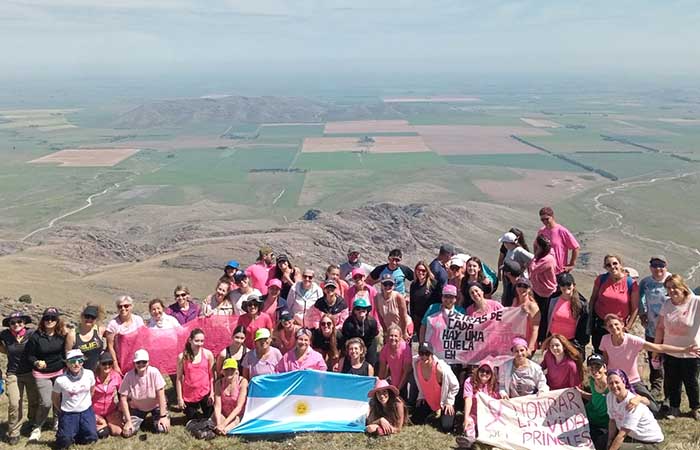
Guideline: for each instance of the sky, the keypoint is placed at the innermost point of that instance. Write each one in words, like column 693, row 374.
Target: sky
column 155, row 37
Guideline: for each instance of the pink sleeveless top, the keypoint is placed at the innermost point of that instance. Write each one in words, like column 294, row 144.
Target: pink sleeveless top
column 229, row 401
column 431, row 389
column 195, row 385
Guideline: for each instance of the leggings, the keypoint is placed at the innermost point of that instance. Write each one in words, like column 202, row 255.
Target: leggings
column 423, row 414
column 192, row 409
column 44, row 387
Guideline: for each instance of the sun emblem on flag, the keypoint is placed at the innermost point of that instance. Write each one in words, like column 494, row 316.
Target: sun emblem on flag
column 301, row 408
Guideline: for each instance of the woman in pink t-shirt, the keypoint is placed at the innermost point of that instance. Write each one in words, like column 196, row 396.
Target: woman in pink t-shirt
column 482, row 306
column 395, row 360
column 302, row 356
column 562, row 363
column 614, row 292
column 107, row 382
column 195, row 377
column 621, row 350
column 542, row 271
column 568, row 314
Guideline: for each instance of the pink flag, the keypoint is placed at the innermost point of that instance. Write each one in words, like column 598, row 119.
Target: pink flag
column 163, row 345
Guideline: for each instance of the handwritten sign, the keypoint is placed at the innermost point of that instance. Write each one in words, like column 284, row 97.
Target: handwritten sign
column 553, row 420
column 458, row 338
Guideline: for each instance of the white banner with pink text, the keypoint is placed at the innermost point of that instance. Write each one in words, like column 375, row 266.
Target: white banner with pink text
column 553, row 420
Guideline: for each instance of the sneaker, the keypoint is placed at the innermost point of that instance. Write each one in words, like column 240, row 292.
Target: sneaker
column 673, row 413
column 55, row 425
column 14, row 440
column 35, row 435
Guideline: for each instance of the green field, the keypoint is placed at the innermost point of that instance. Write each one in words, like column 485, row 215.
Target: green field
column 632, row 165
column 365, row 161
column 518, row 160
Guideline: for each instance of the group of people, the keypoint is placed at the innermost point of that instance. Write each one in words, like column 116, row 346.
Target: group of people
column 363, row 320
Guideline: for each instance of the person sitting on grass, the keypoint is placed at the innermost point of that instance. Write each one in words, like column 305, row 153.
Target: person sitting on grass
column 629, row 428
column 142, row 393
column 107, row 415
column 483, row 379
column 230, row 394
column 437, row 389
column 387, row 412
column 72, row 397
column 302, row 356
column 521, row 376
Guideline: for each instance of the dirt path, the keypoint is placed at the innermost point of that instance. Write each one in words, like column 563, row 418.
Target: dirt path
column 619, row 223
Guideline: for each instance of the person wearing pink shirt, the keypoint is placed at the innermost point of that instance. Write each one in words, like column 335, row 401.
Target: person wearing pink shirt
column 483, row 379
column 562, row 363
column 561, row 239
column 259, row 272
column 567, row 314
column 107, row 382
column 302, row 356
column 253, row 319
column 360, row 289
column 395, row 360
column 481, row 306
column 542, row 272
column 621, row 350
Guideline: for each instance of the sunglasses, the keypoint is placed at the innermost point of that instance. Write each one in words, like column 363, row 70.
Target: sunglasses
column 76, row 361
column 16, row 322
column 485, row 370
column 566, row 284
column 330, row 288
column 141, row 363
column 326, row 324
column 360, row 309
column 424, row 353
column 387, row 284
column 89, row 317
column 612, row 264
column 124, row 306
column 308, row 277
column 181, row 294
column 658, row 265
column 522, row 285
column 421, row 270
column 106, row 364
column 50, row 319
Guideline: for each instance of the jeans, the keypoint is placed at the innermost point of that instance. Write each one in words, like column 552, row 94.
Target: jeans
column 681, row 372
column 656, row 376
column 78, row 427
column 641, row 389
column 15, row 385
column 423, row 414
column 44, row 387
column 597, row 332
column 599, row 436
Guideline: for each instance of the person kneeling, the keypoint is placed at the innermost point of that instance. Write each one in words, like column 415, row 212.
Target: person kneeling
column 72, row 397
column 437, row 388
column 143, row 392
column 230, row 394
column 387, row 412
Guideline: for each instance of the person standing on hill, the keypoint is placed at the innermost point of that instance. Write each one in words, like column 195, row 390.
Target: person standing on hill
column 439, row 265
column 561, row 239
column 652, row 296
column 398, row 271
column 353, row 262
column 259, row 272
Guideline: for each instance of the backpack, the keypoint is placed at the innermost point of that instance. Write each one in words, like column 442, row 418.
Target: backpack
column 604, row 278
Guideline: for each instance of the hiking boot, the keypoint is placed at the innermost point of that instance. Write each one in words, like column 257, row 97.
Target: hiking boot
column 696, row 414
column 673, row 413
column 35, row 435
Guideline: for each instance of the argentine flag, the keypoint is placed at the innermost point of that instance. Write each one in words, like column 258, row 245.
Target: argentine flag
column 306, row 400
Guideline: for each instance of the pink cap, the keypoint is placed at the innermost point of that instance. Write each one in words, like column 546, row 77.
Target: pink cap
column 274, row 282
column 449, row 290
column 358, row 271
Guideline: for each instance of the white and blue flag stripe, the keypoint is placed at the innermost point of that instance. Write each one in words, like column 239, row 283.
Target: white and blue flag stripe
column 306, row 400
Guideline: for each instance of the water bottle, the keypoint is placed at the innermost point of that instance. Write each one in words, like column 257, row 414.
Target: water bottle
column 2, row 386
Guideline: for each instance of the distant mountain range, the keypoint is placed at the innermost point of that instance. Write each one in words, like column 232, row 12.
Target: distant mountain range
column 237, row 109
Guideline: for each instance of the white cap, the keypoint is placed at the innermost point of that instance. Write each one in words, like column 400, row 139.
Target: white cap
column 74, row 354
column 455, row 261
column 141, row 355
column 463, row 256
column 508, row 238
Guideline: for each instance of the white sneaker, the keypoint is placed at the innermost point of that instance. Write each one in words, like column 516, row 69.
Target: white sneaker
column 673, row 413
column 36, row 435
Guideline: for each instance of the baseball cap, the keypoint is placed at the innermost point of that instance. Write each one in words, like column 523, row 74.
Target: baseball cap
column 508, row 238
column 426, row 347
column 233, row 263
column 387, row 278
column 141, row 355
column 512, row 267
column 523, row 280
column 595, row 358
column 449, row 290
column 91, row 311
column 353, row 249
column 229, row 363
column 661, row 258
column 239, row 276
column 330, row 282
column 106, row 357
column 285, row 316
column 282, row 257
column 274, row 282
column 51, row 312
column 361, row 303
column 74, row 354
column 357, row 272
column 455, row 261
column 262, row 333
